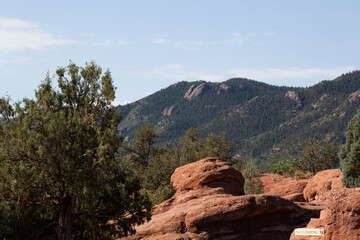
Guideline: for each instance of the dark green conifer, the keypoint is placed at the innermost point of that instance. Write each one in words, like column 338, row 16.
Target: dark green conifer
column 350, row 154
column 58, row 162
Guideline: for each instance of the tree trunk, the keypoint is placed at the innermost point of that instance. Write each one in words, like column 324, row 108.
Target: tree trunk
column 65, row 219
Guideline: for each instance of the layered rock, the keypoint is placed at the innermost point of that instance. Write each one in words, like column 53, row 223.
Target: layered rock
column 208, row 173
column 223, row 88
column 286, row 187
column 168, row 111
column 322, row 183
column 293, row 96
column 195, row 91
column 341, row 217
column 209, row 204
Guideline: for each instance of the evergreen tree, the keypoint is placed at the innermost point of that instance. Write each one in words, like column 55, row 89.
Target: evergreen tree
column 350, row 154
column 317, row 156
column 250, row 171
column 58, row 161
column 143, row 148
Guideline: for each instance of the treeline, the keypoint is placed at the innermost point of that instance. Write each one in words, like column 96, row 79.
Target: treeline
column 261, row 120
column 154, row 164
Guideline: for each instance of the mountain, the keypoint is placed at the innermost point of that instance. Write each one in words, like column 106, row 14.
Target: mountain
column 266, row 122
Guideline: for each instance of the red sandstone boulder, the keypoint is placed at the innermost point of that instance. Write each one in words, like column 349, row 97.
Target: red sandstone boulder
column 322, row 183
column 208, row 173
column 286, row 187
column 207, row 206
column 223, row 216
column 341, row 217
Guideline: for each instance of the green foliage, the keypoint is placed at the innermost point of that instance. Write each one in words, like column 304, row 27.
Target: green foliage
column 161, row 161
column 350, row 154
column 142, row 148
column 250, row 171
column 193, row 147
column 287, row 168
column 256, row 117
column 58, row 163
column 318, row 156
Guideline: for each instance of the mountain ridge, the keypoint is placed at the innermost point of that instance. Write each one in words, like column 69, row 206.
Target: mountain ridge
column 263, row 121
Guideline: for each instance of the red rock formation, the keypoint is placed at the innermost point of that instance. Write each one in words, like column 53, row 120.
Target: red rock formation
column 286, row 187
column 208, row 205
column 195, row 91
column 322, row 183
column 208, row 173
column 341, row 217
column 223, row 88
column 168, row 111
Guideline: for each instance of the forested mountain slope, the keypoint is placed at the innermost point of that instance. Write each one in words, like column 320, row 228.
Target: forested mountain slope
column 266, row 122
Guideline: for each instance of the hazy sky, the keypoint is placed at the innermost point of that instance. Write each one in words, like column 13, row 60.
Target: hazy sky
column 148, row 45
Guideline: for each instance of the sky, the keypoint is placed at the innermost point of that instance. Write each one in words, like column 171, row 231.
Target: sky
column 149, row 45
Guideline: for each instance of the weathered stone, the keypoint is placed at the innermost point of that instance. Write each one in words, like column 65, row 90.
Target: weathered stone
column 210, row 172
column 195, row 91
column 341, row 217
column 286, row 187
column 208, row 205
column 168, row 111
column 293, row 96
column 223, row 88
column 322, row 183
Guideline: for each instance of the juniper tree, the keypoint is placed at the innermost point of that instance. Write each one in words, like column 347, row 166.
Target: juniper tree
column 58, row 157
column 350, row 154
column 317, row 156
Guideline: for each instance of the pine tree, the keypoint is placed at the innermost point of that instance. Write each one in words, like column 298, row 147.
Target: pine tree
column 350, row 154
column 58, row 160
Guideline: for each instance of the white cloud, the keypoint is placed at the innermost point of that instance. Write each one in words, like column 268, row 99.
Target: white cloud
column 108, row 43
column 270, row 33
column 161, row 41
column 185, row 44
column 17, row 35
column 21, row 59
column 87, row 34
column 105, row 43
column 290, row 73
column 238, row 38
column 178, row 73
column 188, row 43
column 117, row 103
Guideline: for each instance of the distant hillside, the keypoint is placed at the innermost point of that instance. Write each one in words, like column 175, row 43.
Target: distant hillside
column 263, row 121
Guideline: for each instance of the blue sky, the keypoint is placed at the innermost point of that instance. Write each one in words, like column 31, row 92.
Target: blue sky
column 149, row 45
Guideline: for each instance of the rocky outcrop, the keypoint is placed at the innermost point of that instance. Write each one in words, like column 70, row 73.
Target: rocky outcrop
column 341, row 217
column 286, row 187
column 223, row 88
column 208, row 205
column 168, row 111
column 322, row 183
column 195, row 91
column 208, row 173
column 353, row 97
column 293, row 96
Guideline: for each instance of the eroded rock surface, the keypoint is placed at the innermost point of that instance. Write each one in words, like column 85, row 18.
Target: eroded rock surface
column 322, row 183
column 286, row 187
column 341, row 217
column 208, row 173
column 223, row 88
column 208, row 205
column 168, row 111
column 293, row 96
column 195, row 91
